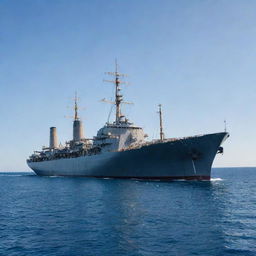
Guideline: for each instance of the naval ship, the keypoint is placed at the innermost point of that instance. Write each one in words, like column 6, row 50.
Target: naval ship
column 121, row 149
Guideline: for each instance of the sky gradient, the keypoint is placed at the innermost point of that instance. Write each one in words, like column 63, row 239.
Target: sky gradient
column 196, row 57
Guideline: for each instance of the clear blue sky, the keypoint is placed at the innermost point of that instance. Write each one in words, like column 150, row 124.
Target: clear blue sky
column 196, row 57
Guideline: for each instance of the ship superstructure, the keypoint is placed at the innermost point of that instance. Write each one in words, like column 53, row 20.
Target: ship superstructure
column 119, row 150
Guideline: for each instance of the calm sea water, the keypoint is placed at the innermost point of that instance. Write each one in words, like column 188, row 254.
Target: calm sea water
column 87, row 216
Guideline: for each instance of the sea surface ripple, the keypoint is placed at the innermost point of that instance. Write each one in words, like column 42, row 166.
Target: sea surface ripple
column 88, row 216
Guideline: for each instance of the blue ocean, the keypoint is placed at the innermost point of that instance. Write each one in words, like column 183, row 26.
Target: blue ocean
column 88, row 216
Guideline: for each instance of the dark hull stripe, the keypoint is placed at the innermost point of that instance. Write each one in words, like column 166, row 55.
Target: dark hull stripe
column 144, row 178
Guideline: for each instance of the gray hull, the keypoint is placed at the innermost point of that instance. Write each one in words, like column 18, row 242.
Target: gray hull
column 188, row 158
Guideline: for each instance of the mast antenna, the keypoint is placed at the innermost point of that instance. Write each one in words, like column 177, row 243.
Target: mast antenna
column 161, row 122
column 225, row 125
column 76, row 107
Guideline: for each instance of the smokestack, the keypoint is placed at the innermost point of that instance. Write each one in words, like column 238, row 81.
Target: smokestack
column 78, row 133
column 53, row 138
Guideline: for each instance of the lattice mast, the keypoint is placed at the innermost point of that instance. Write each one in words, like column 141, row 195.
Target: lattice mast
column 118, row 96
column 161, row 122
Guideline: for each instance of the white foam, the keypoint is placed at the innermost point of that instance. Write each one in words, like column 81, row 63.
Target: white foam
column 14, row 175
column 216, row 179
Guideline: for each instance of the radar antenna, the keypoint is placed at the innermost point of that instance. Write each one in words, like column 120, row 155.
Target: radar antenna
column 118, row 96
column 161, row 122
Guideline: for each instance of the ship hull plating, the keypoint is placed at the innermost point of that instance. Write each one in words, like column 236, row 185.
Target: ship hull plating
column 189, row 158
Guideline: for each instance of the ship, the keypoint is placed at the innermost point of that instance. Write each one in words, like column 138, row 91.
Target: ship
column 121, row 149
